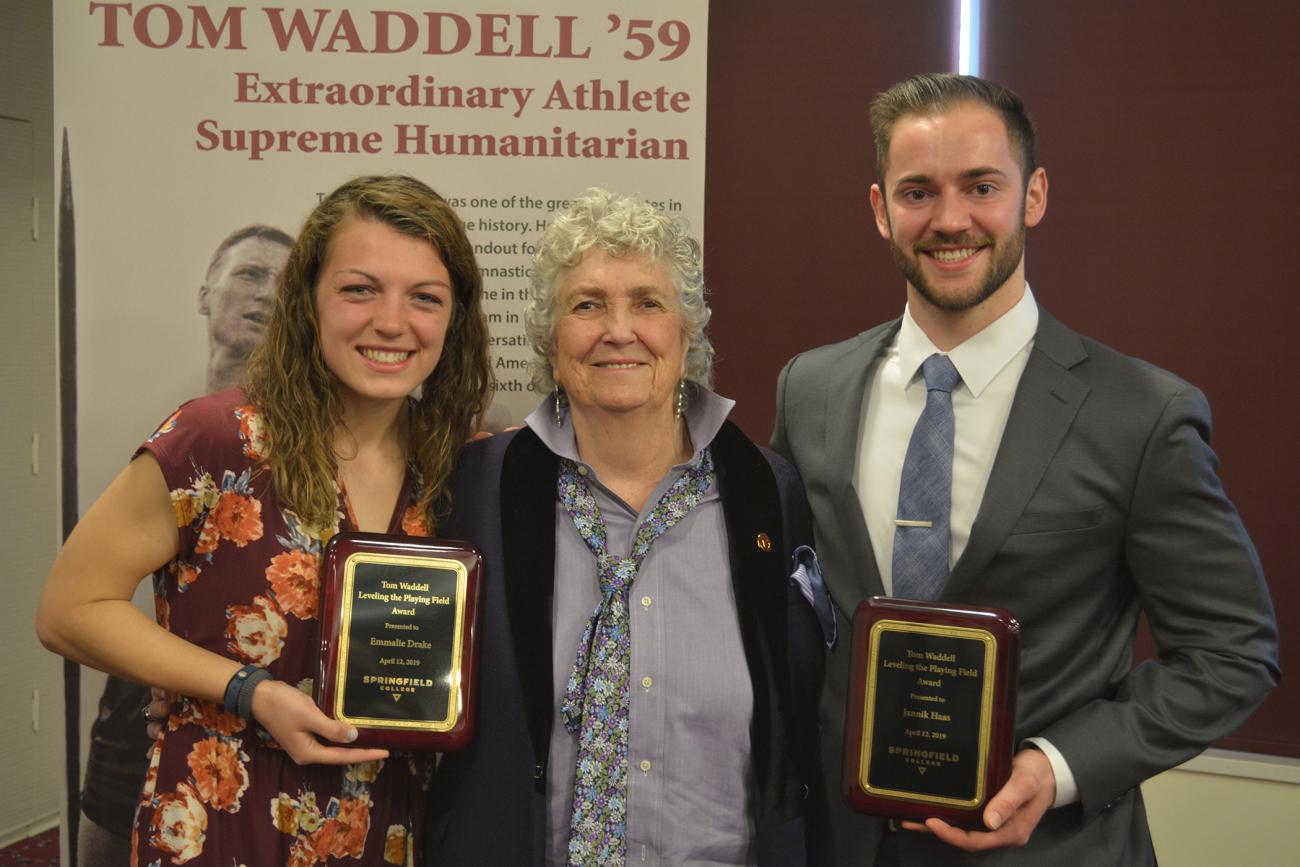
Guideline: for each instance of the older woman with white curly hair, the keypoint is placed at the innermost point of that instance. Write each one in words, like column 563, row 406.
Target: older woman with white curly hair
column 650, row 670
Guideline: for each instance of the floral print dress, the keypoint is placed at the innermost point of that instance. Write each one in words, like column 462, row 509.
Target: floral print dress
column 219, row 790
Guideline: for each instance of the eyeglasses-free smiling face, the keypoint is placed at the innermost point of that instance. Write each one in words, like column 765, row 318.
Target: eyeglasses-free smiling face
column 954, row 206
column 385, row 301
column 619, row 344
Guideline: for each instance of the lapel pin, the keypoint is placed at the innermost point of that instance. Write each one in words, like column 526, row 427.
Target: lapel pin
column 763, row 542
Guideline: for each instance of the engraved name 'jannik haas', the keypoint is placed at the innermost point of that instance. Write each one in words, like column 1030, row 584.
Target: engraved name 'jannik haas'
column 927, row 714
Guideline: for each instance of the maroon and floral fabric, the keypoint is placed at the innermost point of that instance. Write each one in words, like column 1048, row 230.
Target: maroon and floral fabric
column 219, row 791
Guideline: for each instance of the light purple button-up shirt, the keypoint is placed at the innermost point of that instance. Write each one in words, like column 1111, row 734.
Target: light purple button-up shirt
column 691, row 700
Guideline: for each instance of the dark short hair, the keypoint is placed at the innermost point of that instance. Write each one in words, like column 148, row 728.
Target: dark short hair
column 265, row 233
column 936, row 92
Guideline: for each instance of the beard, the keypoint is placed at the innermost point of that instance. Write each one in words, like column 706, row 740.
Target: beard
column 1006, row 256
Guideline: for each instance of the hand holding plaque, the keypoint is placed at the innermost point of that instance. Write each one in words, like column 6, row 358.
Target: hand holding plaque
column 932, row 708
column 399, row 639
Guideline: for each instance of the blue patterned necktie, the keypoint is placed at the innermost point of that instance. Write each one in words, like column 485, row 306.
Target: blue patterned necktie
column 595, row 704
column 921, row 535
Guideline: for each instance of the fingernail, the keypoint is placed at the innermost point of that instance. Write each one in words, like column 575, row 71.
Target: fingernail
column 995, row 819
column 352, row 735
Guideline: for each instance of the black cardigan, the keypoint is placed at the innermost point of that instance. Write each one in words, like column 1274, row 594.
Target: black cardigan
column 488, row 804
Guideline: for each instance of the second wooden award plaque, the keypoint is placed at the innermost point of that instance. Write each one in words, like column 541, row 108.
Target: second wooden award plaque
column 399, row 639
column 932, row 708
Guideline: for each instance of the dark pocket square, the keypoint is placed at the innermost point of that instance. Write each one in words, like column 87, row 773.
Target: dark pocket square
column 807, row 576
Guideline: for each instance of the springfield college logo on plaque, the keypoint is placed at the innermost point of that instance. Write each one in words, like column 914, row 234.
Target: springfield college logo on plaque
column 399, row 656
column 932, row 709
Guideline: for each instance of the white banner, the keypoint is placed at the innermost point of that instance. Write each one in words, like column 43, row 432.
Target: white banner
column 186, row 122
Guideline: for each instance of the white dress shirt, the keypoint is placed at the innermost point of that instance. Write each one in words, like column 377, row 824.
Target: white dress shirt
column 990, row 363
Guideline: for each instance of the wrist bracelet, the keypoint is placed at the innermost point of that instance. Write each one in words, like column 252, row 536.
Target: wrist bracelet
column 239, row 691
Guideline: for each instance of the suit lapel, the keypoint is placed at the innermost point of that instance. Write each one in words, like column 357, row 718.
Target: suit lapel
column 846, row 396
column 1046, row 403
column 528, row 475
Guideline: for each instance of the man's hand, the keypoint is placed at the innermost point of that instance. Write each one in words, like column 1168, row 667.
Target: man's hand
column 1012, row 814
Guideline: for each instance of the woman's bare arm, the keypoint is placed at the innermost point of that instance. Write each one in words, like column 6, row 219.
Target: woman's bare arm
column 86, row 615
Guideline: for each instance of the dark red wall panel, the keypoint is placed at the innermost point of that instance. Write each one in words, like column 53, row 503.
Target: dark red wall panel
column 1168, row 129
column 1169, row 132
column 792, row 257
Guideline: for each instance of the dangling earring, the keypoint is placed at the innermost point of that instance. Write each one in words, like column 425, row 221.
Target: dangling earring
column 561, row 403
column 680, row 409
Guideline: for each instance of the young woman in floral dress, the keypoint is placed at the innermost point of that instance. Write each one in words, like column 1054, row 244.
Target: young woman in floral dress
column 372, row 373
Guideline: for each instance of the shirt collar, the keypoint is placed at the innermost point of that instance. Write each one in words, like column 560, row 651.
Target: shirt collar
column 980, row 357
column 705, row 412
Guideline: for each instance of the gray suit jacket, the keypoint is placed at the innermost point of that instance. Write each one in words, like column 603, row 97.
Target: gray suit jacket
column 1103, row 503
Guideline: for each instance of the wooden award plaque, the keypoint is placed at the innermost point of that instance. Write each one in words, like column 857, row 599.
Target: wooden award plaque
column 399, row 639
column 932, row 709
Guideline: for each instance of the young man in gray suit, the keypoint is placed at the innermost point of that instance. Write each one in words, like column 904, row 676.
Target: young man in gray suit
column 1083, row 492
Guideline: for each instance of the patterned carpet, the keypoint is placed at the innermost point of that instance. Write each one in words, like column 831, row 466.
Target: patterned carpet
column 39, row 851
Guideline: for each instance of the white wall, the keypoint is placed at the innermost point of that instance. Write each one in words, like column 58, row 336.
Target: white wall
column 1227, row 808
column 31, row 761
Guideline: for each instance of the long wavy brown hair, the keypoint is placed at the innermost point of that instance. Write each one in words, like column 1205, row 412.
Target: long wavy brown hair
column 300, row 398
